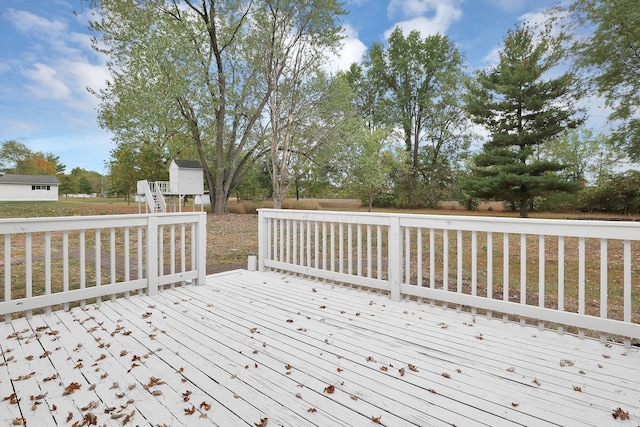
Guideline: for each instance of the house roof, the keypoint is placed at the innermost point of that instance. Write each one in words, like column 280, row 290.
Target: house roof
column 29, row 179
column 187, row 164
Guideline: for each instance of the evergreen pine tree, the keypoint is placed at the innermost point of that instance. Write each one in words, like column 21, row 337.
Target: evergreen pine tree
column 521, row 110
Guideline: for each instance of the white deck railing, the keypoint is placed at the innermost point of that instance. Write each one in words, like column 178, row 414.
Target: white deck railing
column 567, row 274
column 52, row 262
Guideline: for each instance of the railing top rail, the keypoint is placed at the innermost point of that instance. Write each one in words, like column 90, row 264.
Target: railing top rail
column 623, row 230
column 42, row 224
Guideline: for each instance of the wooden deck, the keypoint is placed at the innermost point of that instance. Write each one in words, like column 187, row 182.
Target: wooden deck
column 265, row 349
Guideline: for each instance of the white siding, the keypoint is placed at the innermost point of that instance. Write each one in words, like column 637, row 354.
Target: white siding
column 26, row 192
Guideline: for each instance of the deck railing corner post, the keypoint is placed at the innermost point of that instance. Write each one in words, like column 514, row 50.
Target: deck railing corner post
column 263, row 225
column 201, row 249
column 395, row 258
column 152, row 254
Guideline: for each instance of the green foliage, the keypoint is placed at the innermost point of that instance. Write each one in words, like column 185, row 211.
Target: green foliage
column 194, row 78
column 522, row 111
column 17, row 158
column 606, row 47
column 84, row 185
column 370, row 167
column 619, row 193
column 415, row 85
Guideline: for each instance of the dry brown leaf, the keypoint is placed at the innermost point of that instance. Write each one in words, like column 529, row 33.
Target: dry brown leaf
column 370, row 359
column 384, row 368
column 329, row 389
column 263, row 422
column 299, row 396
column 412, row 367
column 444, row 374
column 312, row 410
column 19, row 421
column 430, row 390
column 620, row 413
column 186, row 395
column 71, row 388
column 376, row 419
column 190, row 411
column 514, row 404
column 536, row 382
column 577, row 388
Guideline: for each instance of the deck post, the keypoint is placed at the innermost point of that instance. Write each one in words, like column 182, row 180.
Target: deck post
column 262, row 240
column 201, row 249
column 152, row 254
column 395, row 258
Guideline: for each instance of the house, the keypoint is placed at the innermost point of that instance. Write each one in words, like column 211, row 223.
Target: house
column 28, row 187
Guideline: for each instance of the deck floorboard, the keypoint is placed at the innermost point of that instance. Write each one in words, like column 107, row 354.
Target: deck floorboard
column 249, row 346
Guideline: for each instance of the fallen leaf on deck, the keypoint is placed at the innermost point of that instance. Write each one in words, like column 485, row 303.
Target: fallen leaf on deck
column 384, row 368
column 71, row 388
column 323, row 306
column 190, row 411
column 606, row 356
column 69, row 416
column 512, row 369
column 312, row 410
column 329, row 389
column 376, row 419
column 577, row 388
column 186, row 395
column 19, row 421
column 620, row 413
column 24, row 377
column 263, row 422
column 514, row 404
column 288, row 367
column 444, row 374
column 401, row 372
column 430, row 390
column 370, row 359
column 339, row 369
column 412, row 367
column 354, row 397
column 289, row 320
column 536, row 382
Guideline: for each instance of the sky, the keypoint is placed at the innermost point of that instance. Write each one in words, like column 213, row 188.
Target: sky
column 47, row 63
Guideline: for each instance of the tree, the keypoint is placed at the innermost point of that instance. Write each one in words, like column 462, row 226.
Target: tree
column 296, row 44
column 370, row 168
column 608, row 50
column 189, row 74
column 522, row 111
column 585, row 156
column 420, row 82
column 68, row 185
column 16, row 157
column 84, row 185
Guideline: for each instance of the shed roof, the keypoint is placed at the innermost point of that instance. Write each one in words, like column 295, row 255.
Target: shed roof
column 29, row 179
column 187, row 164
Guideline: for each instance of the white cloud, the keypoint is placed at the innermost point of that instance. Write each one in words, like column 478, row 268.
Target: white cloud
column 11, row 126
column 28, row 23
column 46, row 83
column 428, row 17
column 352, row 50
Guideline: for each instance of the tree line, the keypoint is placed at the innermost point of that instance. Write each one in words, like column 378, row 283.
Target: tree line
column 242, row 87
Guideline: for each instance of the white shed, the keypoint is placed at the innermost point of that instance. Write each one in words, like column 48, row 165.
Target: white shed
column 28, row 187
column 185, row 177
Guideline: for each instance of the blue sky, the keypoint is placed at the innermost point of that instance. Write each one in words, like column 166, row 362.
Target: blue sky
column 46, row 61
